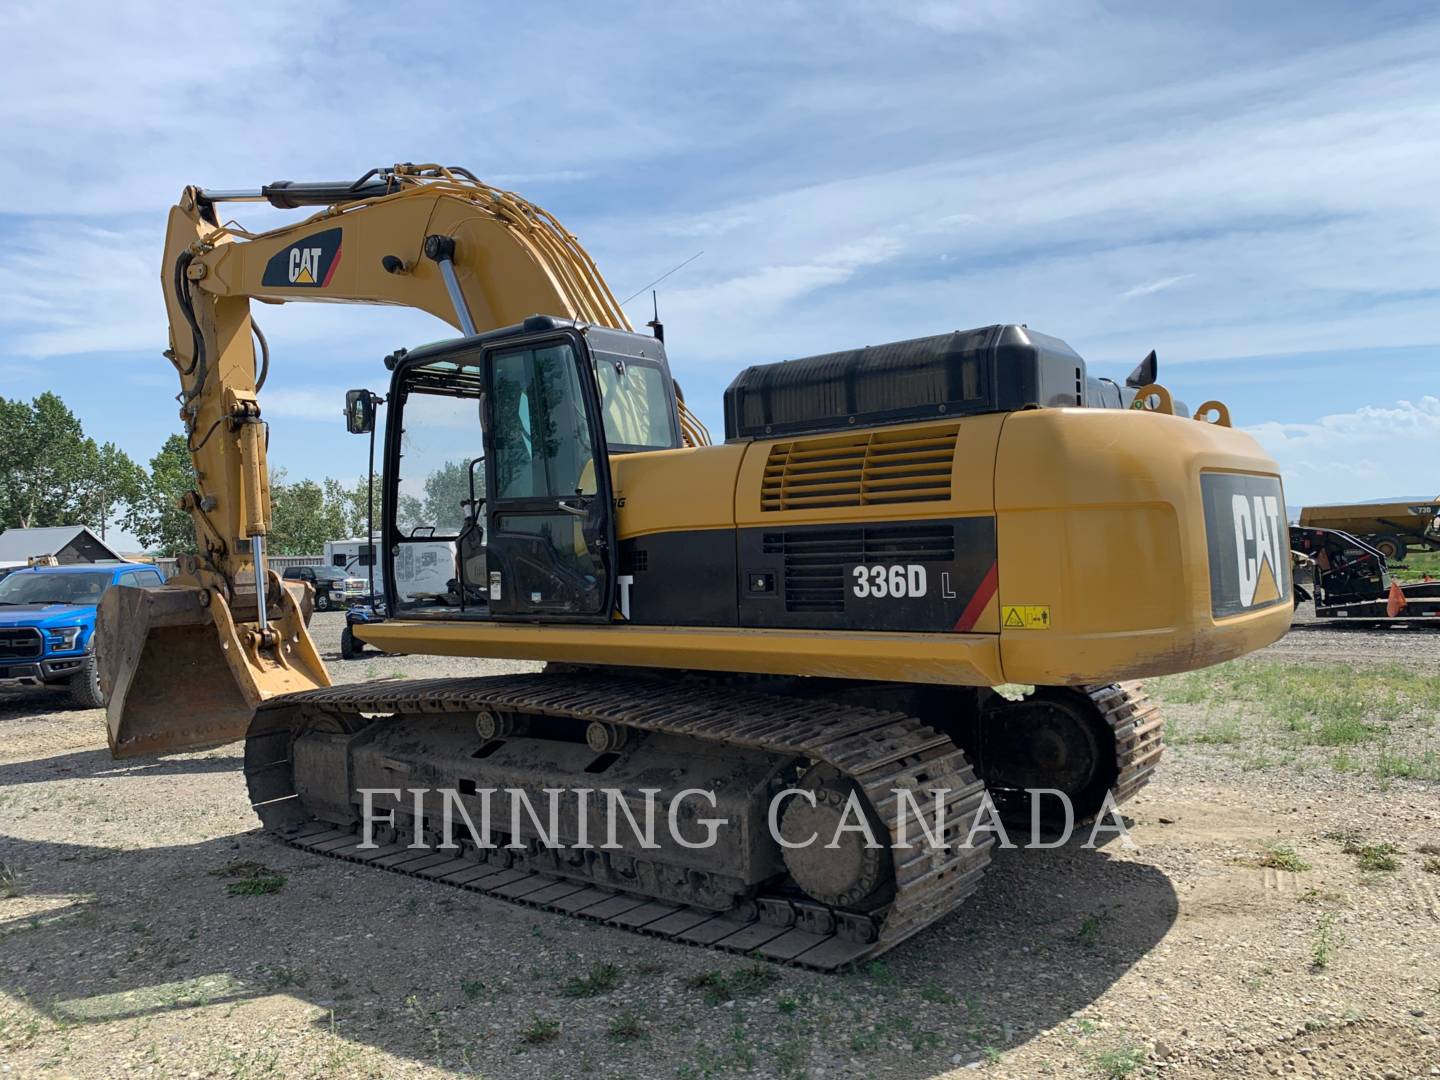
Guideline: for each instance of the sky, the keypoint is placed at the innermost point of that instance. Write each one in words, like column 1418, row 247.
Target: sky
column 1250, row 190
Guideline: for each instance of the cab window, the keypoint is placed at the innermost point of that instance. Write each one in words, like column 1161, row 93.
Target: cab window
column 542, row 437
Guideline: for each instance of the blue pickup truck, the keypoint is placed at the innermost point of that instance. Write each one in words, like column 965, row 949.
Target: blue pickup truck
column 47, row 624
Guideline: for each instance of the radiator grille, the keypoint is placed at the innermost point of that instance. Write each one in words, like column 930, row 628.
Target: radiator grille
column 816, row 560
column 867, row 469
column 20, row 643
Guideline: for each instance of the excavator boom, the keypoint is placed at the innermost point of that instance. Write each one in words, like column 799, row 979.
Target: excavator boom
column 225, row 633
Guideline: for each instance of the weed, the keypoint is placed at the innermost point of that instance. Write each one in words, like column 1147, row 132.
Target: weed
column 1431, row 866
column 936, row 994
column 255, row 878
column 1283, row 857
column 1422, row 766
column 1322, row 896
column 719, row 987
column 1223, row 732
column 921, row 1041
column 1120, row 1061
column 626, row 1026
column 862, row 1042
column 753, row 977
column 879, row 971
column 791, row 1057
column 713, row 984
column 993, row 1054
column 9, row 881
column 1089, row 933
column 541, row 1031
column 1378, row 857
column 788, row 1004
column 600, row 979
column 241, row 868
column 260, row 885
column 1323, row 948
column 471, row 988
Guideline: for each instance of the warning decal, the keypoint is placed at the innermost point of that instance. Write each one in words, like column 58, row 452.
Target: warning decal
column 1024, row 617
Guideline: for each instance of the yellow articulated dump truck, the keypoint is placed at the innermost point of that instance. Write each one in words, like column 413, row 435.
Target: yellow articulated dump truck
column 1390, row 528
column 821, row 606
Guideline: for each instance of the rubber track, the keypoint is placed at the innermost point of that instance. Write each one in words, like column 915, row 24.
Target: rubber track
column 880, row 751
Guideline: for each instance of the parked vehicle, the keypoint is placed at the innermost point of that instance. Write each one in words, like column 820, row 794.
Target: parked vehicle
column 47, row 624
column 334, row 587
column 1391, row 528
column 424, row 570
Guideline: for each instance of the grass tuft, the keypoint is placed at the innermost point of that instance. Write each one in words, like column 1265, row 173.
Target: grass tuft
column 626, row 1027
column 9, row 881
column 600, row 979
column 1283, row 857
column 1378, row 857
column 260, row 885
column 541, row 1031
column 1118, row 1062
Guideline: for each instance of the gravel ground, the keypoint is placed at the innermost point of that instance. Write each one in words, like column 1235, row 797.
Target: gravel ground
column 122, row 952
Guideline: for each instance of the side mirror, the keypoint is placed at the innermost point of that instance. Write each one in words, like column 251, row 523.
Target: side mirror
column 359, row 412
column 1145, row 372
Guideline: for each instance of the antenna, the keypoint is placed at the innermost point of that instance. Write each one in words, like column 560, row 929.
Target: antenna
column 661, row 278
column 656, row 326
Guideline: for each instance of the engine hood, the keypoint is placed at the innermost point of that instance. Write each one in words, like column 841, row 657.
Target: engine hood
column 46, row 615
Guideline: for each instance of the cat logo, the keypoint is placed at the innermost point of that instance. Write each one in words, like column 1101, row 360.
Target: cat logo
column 1257, row 547
column 305, row 264
column 1247, row 540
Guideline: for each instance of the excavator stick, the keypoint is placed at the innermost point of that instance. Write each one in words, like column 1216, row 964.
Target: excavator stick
column 181, row 673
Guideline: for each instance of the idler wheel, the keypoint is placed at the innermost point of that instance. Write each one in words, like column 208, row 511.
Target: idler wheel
column 850, row 874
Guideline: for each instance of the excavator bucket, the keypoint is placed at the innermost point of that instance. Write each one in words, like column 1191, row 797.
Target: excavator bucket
column 180, row 673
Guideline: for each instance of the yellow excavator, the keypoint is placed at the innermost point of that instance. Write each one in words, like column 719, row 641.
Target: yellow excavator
column 822, row 605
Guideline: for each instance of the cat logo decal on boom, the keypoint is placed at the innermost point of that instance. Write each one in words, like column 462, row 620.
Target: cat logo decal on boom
column 306, row 264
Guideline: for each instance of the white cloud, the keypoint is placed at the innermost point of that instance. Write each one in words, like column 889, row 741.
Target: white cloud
column 313, row 403
column 913, row 168
column 1155, row 286
column 1367, row 453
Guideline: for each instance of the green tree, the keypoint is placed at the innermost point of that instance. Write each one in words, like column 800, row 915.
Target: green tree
column 156, row 517
column 116, row 482
column 51, row 473
column 445, row 489
column 304, row 515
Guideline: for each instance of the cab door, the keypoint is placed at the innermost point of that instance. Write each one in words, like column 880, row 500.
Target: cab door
column 551, row 535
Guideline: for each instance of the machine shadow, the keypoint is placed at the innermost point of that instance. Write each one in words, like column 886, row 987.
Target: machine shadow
column 19, row 702
column 159, row 931
column 1047, row 933
column 98, row 764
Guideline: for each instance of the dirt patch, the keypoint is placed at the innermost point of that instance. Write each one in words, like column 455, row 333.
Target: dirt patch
column 125, row 951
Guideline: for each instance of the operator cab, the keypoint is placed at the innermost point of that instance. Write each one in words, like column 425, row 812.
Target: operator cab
column 497, row 495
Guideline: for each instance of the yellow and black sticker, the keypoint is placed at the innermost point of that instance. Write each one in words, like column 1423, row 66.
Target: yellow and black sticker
column 1025, row 617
